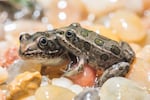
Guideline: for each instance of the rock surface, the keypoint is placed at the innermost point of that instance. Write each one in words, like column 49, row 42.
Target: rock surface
column 24, row 85
column 52, row 92
column 119, row 88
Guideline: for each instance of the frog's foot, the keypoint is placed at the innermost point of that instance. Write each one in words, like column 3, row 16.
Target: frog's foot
column 119, row 69
column 75, row 69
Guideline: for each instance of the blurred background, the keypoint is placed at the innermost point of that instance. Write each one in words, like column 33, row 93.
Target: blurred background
column 122, row 16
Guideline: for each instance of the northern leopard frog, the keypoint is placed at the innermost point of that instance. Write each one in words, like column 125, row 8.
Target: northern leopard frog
column 79, row 45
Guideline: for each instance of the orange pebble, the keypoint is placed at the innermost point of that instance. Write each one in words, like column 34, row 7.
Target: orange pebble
column 128, row 26
column 2, row 96
column 64, row 12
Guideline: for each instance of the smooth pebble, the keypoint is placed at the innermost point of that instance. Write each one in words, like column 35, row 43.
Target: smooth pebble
column 3, row 75
column 139, row 72
column 76, row 88
column 63, row 82
column 52, row 92
column 128, row 26
column 119, row 88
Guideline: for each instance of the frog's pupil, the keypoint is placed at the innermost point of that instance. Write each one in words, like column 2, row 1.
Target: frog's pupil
column 43, row 41
column 104, row 57
column 69, row 34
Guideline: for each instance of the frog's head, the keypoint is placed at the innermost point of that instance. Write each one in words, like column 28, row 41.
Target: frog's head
column 39, row 46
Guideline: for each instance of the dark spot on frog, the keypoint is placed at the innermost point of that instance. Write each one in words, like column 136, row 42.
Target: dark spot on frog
column 114, row 49
column 87, row 46
column 76, row 40
column 104, row 57
column 99, row 42
column 84, row 33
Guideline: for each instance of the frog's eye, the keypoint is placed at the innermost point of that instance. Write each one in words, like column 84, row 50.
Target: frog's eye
column 70, row 34
column 43, row 41
column 24, row 37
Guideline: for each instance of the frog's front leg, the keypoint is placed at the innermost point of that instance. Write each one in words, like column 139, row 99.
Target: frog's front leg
column 75, row 69
column 73, row 61
column 119, row 69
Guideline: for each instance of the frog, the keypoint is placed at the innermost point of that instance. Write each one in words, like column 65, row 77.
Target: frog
column 80, row 46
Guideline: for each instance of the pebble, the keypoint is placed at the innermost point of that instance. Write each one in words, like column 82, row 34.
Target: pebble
column 139, row 72
column 23, row 85
column 101, row 7
column 45, row 81
column 2, row 95
column 19, row 66
column 146, row 4
column 29, row 98
column 88, row 94
column 2, row 33
column 76, row 88
column 3, row 75
column 136, row 47
column 66, row 83
column 119, row 88
column 145, row 53
column 63, row 82
column 65, row 12
column 128, row 26
column 53, row 92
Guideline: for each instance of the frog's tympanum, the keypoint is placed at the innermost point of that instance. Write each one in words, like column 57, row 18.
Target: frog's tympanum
column 80, row 46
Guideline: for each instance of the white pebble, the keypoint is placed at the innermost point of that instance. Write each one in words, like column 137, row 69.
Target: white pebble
column 45, row 81
column 63, row 82
column 119, row 88
column 3, row 75
column 76, row 88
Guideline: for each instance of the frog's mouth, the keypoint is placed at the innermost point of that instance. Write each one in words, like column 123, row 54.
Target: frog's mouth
column 39, row 54
column 45, row 58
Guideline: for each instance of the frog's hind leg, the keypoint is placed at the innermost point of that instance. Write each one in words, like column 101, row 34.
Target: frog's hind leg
column 119, row 69
column 128, row 52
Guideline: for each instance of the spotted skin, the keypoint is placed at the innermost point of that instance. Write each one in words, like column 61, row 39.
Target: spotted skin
column 89, row 47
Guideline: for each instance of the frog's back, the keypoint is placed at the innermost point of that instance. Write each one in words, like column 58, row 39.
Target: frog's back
column 98, row 49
